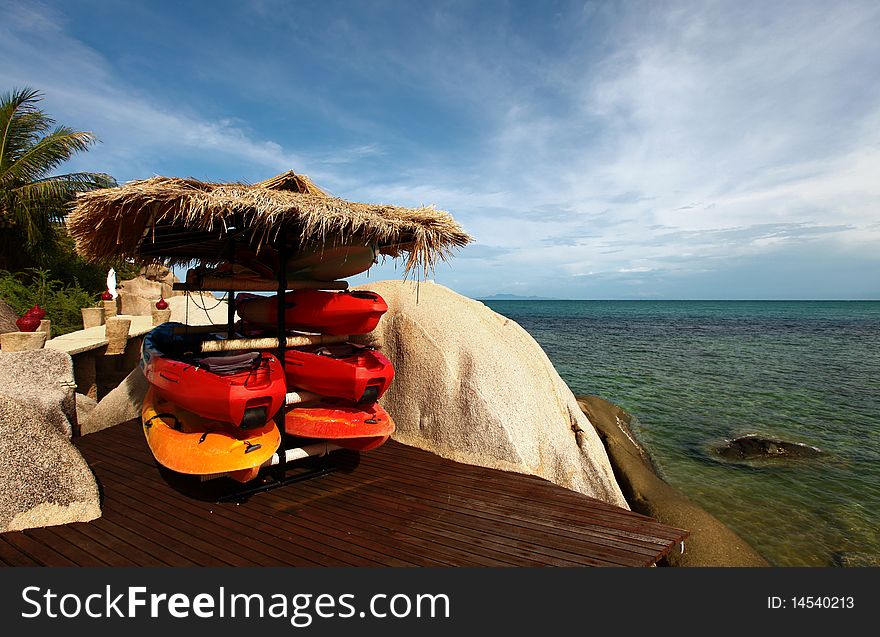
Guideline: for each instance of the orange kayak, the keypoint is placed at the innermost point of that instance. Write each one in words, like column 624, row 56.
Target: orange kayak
column 361, row 427
column 188, row 443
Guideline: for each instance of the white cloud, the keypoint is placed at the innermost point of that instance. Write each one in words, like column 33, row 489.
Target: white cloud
column 643, row 139
column 138, row 132
column 710, row 118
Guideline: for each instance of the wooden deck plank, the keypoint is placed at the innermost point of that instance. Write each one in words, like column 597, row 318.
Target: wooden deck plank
column 447, row 515
column 261, row 529
column 463, row 477
column 286, row 537
column 268, row 522
column 158, row 551
column 405, row 468
column 449, row 519
column 394, row 506
column 83, row 551
column 365, row 536
column 587, row 523
column 441, row 537
column 606, row 516
column 381, row 542
column 496, row 482
column 486, row 541
column 119, row 552
column 39, row 551
column 392, row 533
column 368, row 535
column 10, row 555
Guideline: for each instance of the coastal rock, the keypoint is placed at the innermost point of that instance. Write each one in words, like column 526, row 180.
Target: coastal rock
column 137, row 296
column 135, row 305
column 711, row 542
column 852, row 559
column 44, row 480
column 120, row 405
column 8, row 317
column 198, row 308
column 755, row 447
column 85, row 405
column 475, row 387
column 43, row 379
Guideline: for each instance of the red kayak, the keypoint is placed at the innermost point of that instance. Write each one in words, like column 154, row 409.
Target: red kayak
column 348, row 371
column 245, row 389
column 335, row 313
column 362, row 427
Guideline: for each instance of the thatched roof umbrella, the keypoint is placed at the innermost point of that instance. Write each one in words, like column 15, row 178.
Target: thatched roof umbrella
column 185, row 220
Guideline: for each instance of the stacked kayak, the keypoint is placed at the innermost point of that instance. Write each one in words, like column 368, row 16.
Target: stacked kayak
column 185, row 442
column 358, row 427
column 345, row 379
column 243, row 389
column 214, row 413
column 334, row 313
column 209, row 414
column 351, row 372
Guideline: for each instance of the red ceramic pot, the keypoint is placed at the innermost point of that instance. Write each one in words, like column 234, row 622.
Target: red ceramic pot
column 37, row 311
column 28, row 323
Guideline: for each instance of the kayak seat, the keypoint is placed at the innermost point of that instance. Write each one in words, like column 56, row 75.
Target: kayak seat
column 229, row 364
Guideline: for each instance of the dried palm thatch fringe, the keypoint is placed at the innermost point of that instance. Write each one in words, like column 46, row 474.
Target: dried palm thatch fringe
column 113, row 222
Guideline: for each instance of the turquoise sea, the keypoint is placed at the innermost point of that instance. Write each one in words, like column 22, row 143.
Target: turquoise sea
column 694, row 373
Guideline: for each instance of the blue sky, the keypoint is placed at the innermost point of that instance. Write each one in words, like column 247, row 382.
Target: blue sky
column 594, row 150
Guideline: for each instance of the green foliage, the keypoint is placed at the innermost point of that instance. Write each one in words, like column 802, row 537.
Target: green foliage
column 32, row 202
column 61, row 301
column 65, row 265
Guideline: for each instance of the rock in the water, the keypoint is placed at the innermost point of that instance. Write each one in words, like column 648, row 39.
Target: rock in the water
column 755, row 447
column 851, row 559
column 42, row 378
column 119, row 406
column 711, row 543
column 473, row 386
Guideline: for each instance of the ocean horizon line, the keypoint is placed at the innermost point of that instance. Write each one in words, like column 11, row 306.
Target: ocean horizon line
column 530, row 299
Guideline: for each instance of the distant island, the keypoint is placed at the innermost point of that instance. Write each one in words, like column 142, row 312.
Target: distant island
column 516, row 297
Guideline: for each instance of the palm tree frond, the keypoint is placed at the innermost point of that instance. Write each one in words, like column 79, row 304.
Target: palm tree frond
column 84, row 182
column 52, row 150
column 20, row 121
column 31, row 147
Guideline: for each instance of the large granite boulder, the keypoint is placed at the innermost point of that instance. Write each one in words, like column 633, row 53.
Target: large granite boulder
column 42, row 378
column 8, row 317
column 121, row 405
column 199, row 309
column 473, row 386
column 137, row 296
column 85, row 405
column 44, row 480
column 135, row 305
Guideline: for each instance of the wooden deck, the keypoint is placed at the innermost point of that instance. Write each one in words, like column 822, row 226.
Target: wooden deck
column 394, row 506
